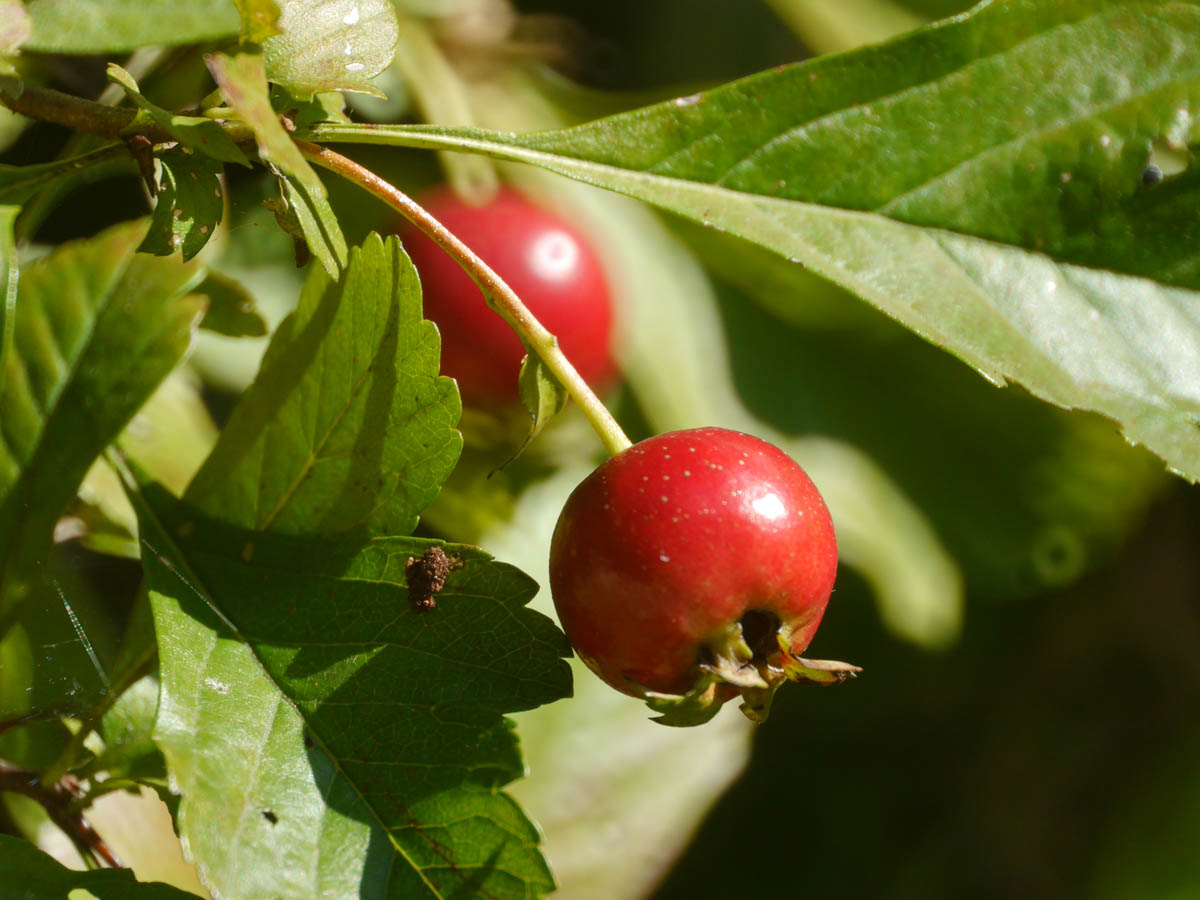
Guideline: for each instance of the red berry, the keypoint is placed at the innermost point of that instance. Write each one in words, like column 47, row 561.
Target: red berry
column 550, row 266
column 697, row 564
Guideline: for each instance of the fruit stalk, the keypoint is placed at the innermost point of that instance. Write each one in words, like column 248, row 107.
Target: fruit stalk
column 498, row 295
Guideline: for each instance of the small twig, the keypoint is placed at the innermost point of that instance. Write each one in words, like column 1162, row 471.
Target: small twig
column 499, row 296
column 57, row 800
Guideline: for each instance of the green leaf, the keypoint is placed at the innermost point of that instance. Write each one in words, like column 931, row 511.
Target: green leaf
column 26, row 873
column 396, row 792
column 348, row 425
column 193, row 132
column 331, row 454
column 331, row 46
column 115, row 26
column 260, row 20
column 231, row 309
column 19, row 183
column 189, row 205
column 541, row 393
column 991, row 177
column 242, row 80
column 96, row 329
column 10, row 271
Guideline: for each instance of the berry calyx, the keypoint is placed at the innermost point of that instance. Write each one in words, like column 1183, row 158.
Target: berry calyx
column 549, row 265
column 695, row 567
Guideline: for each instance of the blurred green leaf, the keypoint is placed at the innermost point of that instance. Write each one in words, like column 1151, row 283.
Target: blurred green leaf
column 10, row 273
column 97, row 327
column 14, row 31
column 26, row 873
column 19, row 183
column 114, row 26
column 331, row 46
column 243, row 82
column 1042, row 133
column 355, row 359
column 188, row 207
column 231, row 309
column 127, row 731
column 193, row 132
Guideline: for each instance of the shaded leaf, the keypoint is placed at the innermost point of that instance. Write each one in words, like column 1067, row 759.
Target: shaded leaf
column 97, row 328
column 26, row 873
column 243, row 82
column 19, row 183
column 331, row 45
column 194, row 132
column 189, row 205
column 959, row 126
column 10, row 272
column 395, row 792
column 114, row 26
column 348, row 426
column 231, row 309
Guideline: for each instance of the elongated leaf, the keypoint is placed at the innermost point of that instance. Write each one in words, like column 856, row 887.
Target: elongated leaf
column 541, row 393
column 331, row 45
column 189, row 205
column 243, row 82
column 348, row 425
column 26, row 873
column 19, row 183
column 96, row 329
column 10, row 271
column 955, row 134
column 113, row 26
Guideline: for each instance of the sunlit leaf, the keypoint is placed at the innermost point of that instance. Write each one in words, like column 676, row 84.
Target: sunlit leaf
column 113, row 26
column 960, row 179
column 242, row 80
column 97, row 327
column 331, row 46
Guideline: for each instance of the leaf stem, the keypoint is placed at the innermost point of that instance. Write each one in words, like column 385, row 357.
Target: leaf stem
column 499, row 296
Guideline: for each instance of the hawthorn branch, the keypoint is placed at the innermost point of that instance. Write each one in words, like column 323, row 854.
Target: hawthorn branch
column 58, row 801
column 499, row 296
column 79, row 114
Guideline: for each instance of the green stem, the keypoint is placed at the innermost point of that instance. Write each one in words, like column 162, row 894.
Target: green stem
column 499, row 295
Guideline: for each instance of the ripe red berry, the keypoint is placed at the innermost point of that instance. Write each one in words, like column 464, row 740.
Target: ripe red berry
column 696, row 564
column 550, row 266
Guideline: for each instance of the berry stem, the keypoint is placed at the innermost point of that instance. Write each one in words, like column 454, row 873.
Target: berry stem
column 499, row 296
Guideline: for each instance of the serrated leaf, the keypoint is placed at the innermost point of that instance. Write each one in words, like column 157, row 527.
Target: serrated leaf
column 397, row 791
column 115, row 26
column 331, row 45
column 243, row 82
column 231, row 308
column 19, row 183
column 194, row 132
column 541, row 393
column 26, row 873
column 958, row 126
column 348, row 425
column 188, row 207
column 97, row 327
column 260, row 20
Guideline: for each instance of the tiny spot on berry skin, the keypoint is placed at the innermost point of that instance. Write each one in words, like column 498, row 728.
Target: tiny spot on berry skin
column 663, row 498
column 666, row 478
column 691, row 449
column 663, row 557
column 687, row 473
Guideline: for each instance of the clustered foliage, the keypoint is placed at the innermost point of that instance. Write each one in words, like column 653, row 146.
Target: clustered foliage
column 224, row 614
